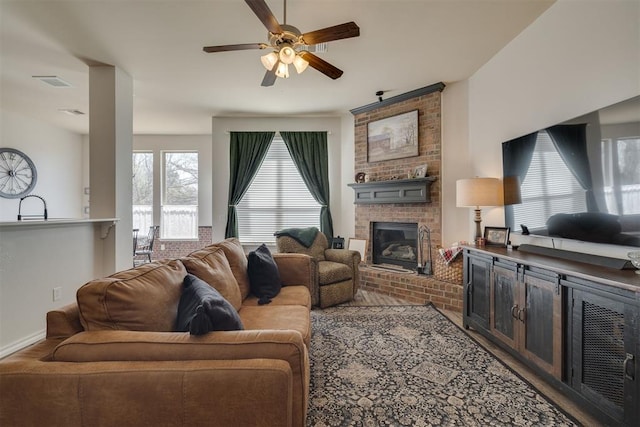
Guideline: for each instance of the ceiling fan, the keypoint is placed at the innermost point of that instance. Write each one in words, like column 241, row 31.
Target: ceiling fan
column 289, row 45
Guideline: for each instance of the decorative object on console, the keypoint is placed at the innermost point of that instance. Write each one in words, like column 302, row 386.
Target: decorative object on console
column 496, row 236
column 478, row 192
column 18, row 174
column 360, row 177
column 289, row 45
column 395, row 137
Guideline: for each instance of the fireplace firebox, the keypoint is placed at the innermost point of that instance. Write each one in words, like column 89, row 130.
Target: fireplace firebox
column 395, row 243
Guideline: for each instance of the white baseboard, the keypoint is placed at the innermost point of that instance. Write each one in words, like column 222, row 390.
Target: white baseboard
column 22, row 343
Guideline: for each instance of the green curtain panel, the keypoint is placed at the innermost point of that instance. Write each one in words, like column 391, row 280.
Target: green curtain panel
column 309, row 153
column 247, row 151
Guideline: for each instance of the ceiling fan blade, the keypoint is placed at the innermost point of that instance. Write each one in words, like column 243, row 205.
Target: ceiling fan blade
column 262, row 11
column 269, row 78
column 321, row 65
column 337, row 32
column 230, row 47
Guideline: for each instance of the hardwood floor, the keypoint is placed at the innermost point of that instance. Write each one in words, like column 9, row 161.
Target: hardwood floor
column 367, row 298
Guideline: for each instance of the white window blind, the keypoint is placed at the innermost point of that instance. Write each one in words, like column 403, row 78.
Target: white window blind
column 277, row 198
column 548, row 188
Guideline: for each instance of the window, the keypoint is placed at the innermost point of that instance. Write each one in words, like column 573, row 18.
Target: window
column 179, row 210
column 548, row 188
column 621, row 175
column 277, row 198
column 142, row 190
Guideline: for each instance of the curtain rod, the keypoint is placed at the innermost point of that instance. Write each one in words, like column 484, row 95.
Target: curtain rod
column 327, row 131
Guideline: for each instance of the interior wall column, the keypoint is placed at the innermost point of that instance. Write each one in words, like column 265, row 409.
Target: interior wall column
column 110, row 148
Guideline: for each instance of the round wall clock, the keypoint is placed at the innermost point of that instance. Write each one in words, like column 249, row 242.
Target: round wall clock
column 17, row 173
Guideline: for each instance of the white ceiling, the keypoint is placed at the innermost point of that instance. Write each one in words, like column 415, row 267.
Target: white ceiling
column 403, row 45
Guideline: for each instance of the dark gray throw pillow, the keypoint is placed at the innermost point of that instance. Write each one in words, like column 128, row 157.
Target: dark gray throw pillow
column 202, row 309
column 264, row 277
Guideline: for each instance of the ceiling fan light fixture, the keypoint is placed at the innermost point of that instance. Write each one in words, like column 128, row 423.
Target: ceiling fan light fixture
column 287, row 54
column 283, row 70
column 300, row 63
column 269, row 60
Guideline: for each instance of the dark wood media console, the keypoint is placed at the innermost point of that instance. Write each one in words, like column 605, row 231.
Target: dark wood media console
column 576, row 324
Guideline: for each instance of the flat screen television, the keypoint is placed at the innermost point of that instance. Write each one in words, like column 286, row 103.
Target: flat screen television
column 579, row 179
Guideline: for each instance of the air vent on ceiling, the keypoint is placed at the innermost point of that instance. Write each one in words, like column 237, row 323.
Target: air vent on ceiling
column 71, row 111
column 317, row 48
column 53, row 81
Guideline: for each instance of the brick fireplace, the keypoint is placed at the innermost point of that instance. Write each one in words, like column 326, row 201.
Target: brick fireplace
column 413, row 287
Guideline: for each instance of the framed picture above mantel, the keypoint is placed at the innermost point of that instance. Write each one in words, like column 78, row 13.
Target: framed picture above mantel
column 394, row 137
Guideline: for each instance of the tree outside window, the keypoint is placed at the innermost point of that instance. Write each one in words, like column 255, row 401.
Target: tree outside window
column 142, row 190
column 179, row 211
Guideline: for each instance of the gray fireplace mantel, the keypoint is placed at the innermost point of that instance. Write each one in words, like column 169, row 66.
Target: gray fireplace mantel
column 415, row 190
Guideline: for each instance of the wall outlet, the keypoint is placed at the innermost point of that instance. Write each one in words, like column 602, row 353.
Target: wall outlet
column 57, row 293
column 162, row 247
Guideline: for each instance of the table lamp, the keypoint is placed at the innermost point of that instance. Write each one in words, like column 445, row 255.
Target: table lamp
column 477, row 192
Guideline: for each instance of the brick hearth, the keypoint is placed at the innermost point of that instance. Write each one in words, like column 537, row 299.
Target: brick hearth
column 413, row 288
column 442, row 293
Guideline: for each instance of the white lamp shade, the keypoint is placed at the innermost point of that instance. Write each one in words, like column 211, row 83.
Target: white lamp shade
column 287, row 54
column 475, row 192
column 282, row 70
column 300, row 64
column 269, row 60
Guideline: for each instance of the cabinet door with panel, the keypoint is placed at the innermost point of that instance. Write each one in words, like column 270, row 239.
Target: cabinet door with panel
column 505, row 303
column 541, row 320
column 604, row 354
column 477, row 279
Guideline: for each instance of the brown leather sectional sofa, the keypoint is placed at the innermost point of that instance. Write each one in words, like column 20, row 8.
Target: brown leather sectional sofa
column 113, row 359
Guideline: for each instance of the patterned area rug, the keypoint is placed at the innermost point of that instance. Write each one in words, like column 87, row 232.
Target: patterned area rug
column 410, row 366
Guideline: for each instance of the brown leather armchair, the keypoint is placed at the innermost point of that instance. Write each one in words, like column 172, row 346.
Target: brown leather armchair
column 337, row 277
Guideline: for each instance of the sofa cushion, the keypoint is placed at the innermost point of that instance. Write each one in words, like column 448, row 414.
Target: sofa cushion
column 238, row 262
column 212, row 266
column 278, row 317
column 202, row 309
column 289, row 295
column 144, row 298
column 333, row 272
column 264, row 276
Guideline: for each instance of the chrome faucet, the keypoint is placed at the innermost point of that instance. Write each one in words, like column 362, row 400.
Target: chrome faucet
column 20, row 217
